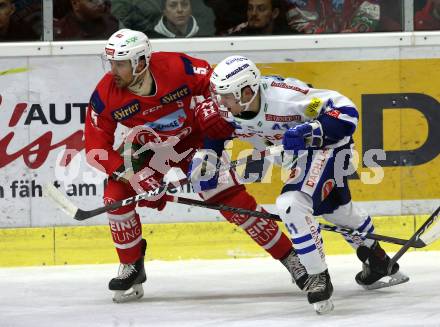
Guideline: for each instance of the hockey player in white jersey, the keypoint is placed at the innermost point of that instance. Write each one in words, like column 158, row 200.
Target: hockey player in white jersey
column 317, row 125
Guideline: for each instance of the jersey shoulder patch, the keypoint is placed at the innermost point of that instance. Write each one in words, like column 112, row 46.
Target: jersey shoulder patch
column 96, row 103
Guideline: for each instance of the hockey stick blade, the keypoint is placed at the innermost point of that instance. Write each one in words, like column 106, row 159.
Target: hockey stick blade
column 267, row 215
column 59, row 198
column 432, row 235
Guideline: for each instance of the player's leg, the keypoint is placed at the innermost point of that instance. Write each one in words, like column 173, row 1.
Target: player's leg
column 126, row 231
column 265, row 232
column 373, row 256
column 296, row 210
column 296, row 207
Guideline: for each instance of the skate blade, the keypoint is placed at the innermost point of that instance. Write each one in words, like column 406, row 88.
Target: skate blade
column 388, row 281
column 133, row 293
column 323, row 307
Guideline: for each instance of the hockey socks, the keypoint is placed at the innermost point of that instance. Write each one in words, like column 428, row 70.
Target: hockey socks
column 264, row 232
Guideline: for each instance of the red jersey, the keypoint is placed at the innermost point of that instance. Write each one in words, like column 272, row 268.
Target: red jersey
column 425, row 19
column 178, row 77
column 312, row 16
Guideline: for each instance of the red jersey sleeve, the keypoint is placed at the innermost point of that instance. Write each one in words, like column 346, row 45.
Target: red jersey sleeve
column 198, row 72
column 100, row 131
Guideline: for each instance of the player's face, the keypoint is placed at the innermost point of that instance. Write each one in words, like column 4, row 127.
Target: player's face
column 177, row 12
column 122, row 72
column 259, row 13
column 228, row 101
column 6, row 11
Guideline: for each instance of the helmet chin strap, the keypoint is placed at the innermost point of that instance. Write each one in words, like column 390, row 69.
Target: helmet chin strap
column 246, row 105
column 138, row 77
column 141, row 84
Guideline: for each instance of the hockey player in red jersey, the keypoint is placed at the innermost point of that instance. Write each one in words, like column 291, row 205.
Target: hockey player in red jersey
column 150, row 93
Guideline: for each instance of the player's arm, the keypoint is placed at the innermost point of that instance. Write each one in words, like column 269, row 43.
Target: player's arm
column 215, row 131
column 197, row 72
column 333, row 124
column 99, row 136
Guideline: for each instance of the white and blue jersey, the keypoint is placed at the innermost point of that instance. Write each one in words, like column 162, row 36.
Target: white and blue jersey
column 285, row 103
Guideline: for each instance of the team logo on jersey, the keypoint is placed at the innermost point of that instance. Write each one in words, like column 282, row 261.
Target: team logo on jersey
column 96, row 103
column 175, row 95
column 283, row 119
column 334, row 113
column 313, row 108
column 327, row 187
column 170, row 122
column 126, row 111
column 288, row 86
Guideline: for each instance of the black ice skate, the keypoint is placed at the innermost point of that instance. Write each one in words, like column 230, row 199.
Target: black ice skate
column 295, row 268
column 319, row 290
column 128, row 284
column 374, row 272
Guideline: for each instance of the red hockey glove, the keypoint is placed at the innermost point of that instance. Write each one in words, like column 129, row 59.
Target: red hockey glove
column 157, row 204
column 211, row 123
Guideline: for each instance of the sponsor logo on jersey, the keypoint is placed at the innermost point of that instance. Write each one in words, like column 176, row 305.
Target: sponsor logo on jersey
column 151, row 110
column 288, row 86
column 316, row 235
column 170, row 122
column 294, row 175
column 237, row 70
column 313, row 108
column 175, row 95
column 327, row 187
column 283, row 119
column 96, row 103
column 126, row 111
column 317, row 167
column 334, row 113
column 224, row 113
column 143, row 137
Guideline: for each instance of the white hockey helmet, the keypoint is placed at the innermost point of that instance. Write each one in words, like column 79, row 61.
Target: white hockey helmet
column 127, row 44
column 232, row 75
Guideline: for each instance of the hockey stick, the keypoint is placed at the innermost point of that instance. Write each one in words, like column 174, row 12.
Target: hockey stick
column 420, row 237
column 267, row 215
column 79, row 214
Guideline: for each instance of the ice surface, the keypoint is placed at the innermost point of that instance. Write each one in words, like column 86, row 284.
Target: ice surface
column 244, row 292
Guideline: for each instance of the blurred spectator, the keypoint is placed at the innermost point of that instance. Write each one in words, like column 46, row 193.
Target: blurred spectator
column 87, row 20
column 390, row 16
column 264, row 17
column 143, row 15
column 176, row 21
column 13, row 27
column 61, row 8
column 29, row 14
column 428, row 18
column 333, row 16
column 139, row 15
column 228, row 13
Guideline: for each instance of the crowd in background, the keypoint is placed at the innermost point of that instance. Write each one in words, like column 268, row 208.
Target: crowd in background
column 21, row 20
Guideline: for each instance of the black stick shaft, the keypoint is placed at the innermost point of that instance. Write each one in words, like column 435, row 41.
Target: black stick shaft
column 267, row 215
